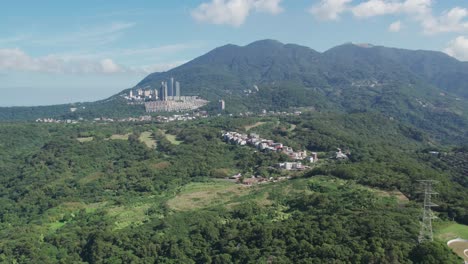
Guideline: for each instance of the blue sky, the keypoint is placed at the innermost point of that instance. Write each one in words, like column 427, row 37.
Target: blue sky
column 68, row 51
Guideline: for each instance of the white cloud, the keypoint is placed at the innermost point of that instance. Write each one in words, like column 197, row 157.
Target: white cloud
column 376, row 8
column 418, row 7
column 269, row 6
column 87, row 36
column 332, row 9
column 395, row 26
column 329, row 9
column 18, row 60
column 370, row 8
column 453, row 20
column 458, row 48
column 233, row 12
column 109, row 66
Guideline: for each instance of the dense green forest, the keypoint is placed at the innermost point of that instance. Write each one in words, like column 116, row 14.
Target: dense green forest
column 157, row 193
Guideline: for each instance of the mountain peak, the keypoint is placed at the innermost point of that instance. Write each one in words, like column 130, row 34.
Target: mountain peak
column 233, row 68
column 266, row 42
column 364, row 45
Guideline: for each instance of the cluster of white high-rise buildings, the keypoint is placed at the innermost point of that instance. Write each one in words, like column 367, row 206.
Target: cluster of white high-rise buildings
column 165, row 99
column 166, row 92
column 169, row 93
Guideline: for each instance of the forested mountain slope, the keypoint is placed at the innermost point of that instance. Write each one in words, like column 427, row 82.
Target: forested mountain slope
column 419, row 87
column 269, row 61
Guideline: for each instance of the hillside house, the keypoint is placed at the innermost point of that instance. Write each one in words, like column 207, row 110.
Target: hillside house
column 291, row 166
column 340, row 155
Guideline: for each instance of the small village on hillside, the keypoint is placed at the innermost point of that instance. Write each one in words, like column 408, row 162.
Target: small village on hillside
column 262, row 144
column 268, row 145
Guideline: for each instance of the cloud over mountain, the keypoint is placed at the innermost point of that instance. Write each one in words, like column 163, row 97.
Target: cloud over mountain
column 18, row 60
column 395, row 26
column 458, row 48
column 454, row 19
column 233, row 12
column 329, row 9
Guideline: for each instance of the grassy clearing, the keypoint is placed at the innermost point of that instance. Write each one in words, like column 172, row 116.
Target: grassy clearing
column 446, row 231
column 55, row 226
column 129, row 215
column 400, row 197
column 229, row 194
column 450, row 230
column 93, row 207
column 92, row 177
column 85, row 139
column 147, row 139
column 247, row 128
column 332, row 185
column 120, row 137
column 53, row 218
column 172, row 139
column 200, row 195
column 124, row 215
column 161, row 165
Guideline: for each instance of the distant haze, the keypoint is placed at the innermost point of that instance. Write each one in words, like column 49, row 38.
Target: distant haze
column 28, row 96
column 17, row 91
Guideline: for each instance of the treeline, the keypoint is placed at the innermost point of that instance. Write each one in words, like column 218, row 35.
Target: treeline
column 113, row 107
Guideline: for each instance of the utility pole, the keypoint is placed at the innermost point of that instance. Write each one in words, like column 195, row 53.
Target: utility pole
column 425, row 233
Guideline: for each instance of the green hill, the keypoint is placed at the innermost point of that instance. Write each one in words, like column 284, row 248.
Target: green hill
column 418, row 87
column 423, row 88
column 263, row 62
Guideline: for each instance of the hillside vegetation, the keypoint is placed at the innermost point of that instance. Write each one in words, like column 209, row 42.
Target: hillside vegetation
column 120, row 201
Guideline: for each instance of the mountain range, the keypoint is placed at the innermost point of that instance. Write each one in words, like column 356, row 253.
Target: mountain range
column 150, row 192
column 425, row 88
column 267, row 61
